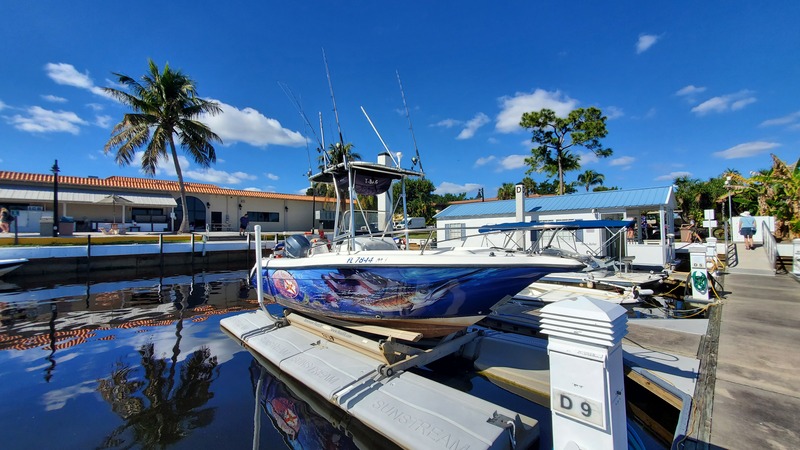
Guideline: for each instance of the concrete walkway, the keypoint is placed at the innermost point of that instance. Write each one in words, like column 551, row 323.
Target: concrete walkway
column 750, row 262
column 756, row 382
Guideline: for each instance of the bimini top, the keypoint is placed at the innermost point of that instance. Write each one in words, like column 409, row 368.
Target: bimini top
column 369, row 178
column 561, row 225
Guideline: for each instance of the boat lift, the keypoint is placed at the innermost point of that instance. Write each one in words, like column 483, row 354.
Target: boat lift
column 369, row 378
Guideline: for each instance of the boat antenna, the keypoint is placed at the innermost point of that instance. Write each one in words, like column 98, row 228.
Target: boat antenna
column 333, row 97
column 416, row 159
column 396, row 162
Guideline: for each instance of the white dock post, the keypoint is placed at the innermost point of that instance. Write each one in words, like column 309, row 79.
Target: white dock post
column 711, row 252
column 796, row 254
column 587, row 383
column 698, row 277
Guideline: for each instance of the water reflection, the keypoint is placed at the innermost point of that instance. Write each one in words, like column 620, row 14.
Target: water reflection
column 60, row 317
column 304, row 419
column 157, row 409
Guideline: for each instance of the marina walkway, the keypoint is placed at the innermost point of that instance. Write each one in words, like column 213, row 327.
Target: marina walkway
column 755, row 401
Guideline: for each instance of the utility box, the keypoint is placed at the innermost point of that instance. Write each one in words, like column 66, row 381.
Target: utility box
column 46, row 226
column 65, row 228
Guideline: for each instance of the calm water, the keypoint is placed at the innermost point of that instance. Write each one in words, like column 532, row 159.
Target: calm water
column 143, row 363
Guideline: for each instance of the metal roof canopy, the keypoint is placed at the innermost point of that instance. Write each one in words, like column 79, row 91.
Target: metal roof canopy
column 653, row 197
column 74, row 196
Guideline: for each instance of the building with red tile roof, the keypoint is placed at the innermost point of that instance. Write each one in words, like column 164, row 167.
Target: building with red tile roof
column 94, row 203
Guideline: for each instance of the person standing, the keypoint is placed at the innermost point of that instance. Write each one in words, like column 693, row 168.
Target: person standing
column 747, row 228
column 243, row 222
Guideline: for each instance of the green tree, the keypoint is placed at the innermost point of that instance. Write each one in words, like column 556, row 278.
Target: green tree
column 165, row 105
column 419, row 198
column 337, row 153
column 590, row 178
column 777, row 191
column 506, row 191
column 556, row 137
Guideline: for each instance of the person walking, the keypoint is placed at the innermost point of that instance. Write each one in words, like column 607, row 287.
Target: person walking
column 747, row 228
column 243, row 222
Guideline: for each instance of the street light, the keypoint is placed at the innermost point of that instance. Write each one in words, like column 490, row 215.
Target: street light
column 55, row 171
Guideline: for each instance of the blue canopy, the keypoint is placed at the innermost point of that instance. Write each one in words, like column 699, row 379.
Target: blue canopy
column 563, row 225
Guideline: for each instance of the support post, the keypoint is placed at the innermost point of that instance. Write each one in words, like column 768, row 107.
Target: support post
column 587, row 381
column 796, row 257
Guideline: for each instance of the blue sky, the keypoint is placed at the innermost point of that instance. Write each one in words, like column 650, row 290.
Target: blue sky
column 689, row 88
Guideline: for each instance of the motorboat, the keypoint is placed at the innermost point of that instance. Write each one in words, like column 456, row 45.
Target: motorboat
column 560, row 238
column 7, row 265
column 368, row 279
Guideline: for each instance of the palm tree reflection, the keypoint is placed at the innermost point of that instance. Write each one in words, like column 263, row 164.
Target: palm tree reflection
column 156, row 413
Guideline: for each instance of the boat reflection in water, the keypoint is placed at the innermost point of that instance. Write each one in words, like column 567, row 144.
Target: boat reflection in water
column 303, row 418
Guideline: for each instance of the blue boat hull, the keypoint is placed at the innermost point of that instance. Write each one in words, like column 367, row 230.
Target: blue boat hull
column 411, row 298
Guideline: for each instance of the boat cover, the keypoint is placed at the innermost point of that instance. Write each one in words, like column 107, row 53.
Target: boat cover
column 564, row 225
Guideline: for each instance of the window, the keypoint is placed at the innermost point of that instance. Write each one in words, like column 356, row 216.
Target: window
column 197, row 212
column 258, row 216
column 455, row 231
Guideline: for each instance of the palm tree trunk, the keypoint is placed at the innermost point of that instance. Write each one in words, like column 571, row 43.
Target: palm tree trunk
column 184, row 228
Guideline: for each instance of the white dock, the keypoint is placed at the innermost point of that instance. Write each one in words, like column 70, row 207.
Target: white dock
column 408, row 409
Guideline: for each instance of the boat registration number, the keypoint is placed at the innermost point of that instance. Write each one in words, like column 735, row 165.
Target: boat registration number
column 578, row 407
column 364, row 260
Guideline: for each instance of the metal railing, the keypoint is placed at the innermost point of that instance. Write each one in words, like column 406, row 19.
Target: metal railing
column 770, row 246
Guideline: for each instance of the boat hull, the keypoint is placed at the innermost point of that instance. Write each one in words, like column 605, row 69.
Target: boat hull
column 434, row 300
column 7, row 265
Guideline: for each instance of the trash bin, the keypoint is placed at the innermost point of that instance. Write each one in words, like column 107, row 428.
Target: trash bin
column 46, row 226
column 66, row 229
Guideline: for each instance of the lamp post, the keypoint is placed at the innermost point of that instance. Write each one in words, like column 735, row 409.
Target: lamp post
column 55, row 171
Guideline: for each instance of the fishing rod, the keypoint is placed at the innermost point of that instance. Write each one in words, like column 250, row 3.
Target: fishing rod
column 416, row 159
column 333, row 97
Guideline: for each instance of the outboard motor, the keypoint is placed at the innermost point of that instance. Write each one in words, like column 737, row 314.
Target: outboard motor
column 297, row 246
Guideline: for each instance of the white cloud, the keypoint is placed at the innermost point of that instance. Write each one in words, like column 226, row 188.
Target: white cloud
column 210, row 175
column 482, row 161
column 252, row 189
column 40, row 120
column 673, row 175
column 3, row 105
column 95, row 106
column 587, row 158
column 251, row 127
column 690, row 90
column 67, row 75
column 746, row 150
column 645, row 42
column 472, row 126
column 447, row 123
column 102, row 121
column 790, row 119
column 215, row 176
column 613, row 112
column 272, row 176
column 622, row 161
column 452, row 188
column 724, row 103
column 512, row 108
column 54, row 98
column 511, row 162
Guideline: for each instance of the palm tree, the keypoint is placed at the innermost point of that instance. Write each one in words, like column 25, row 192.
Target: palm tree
column 590, row 178
column 506, row 192
column 165, row 105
